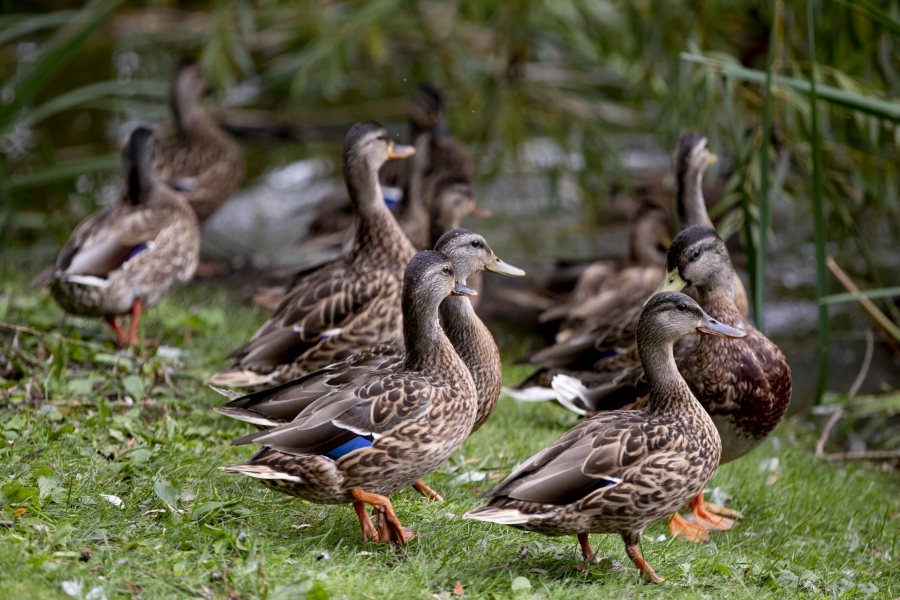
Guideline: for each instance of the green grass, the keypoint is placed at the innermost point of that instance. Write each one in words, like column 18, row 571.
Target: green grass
column 184, row 529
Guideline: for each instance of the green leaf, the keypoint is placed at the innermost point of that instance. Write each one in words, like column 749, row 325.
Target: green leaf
column 168, row 493
column 134, row 386
column 62, row 172
column 889, row 292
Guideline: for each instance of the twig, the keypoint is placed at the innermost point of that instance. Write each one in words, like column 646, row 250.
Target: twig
column 43, row 334
column 826, row 432
column 885, row 324
column 864, row 369
column 864, row 455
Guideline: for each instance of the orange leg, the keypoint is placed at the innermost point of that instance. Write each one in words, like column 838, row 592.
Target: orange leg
column 690, row 532
column 706, row 516
column 586, row 551
column 422, row 487
column 365, row 522
column 390, row 529
column 634, row 553
column 136, row 309
column 121, row 336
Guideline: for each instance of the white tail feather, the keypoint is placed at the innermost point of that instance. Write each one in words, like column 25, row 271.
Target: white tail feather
column 568, row 391
column 503, row 516
column 261, row 472
column 239, row 378
column 530, row 394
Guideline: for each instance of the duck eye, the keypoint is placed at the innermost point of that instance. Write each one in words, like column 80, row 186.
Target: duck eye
column 383, row 137
column 447, row 271
column 476, row 243
column 695, row 254
column 682, row 306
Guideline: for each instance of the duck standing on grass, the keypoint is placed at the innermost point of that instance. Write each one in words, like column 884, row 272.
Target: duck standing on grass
column 620, row 471
column 344, row 306
column 745, row 386
column 195, row 156
column 469, row 253
column 386, row 429
column 125, row 257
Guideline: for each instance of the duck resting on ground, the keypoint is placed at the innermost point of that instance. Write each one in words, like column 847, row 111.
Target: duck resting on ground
column 745, row 385
column 124, row 258
column 342, row 307
column 620, row 471
column 385, row 429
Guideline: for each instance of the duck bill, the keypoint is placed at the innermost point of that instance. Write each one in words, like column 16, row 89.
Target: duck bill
column 461, row 289
column 712, row 327
column 673, row 282
column 400, row 151
column 481, row 213
column 496, row 265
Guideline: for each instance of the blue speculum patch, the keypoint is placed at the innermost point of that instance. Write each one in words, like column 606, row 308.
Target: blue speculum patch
column 348, row 447
column 136, row 250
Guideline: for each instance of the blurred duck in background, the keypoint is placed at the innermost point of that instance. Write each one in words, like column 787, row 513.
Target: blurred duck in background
column 125, row 257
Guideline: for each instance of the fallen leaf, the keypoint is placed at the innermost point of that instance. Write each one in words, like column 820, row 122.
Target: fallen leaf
column 20, row 511
column 114, row 500
column 458, row 589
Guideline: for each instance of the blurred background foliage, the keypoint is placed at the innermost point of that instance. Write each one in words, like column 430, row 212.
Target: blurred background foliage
column 596, row 78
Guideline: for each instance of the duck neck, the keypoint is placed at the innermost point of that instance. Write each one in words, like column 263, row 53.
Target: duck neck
column 669, row 392
column 717, row 297
column 690, row 201
column 377, row 232
column 427, row 347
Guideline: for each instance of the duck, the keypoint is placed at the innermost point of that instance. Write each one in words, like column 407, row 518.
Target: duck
column 622, row 470
column 469, row 253
column 385, row 429
column 744, row 385
column 600, row 320
column 341, row 307
column 194, row 154
column 124, row 258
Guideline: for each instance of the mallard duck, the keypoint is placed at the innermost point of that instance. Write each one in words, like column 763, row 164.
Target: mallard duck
column 194, row 155
column 620, row 471
column 744, row 385
column 469, row 253
column 387, row 428
column 412, row 188
column 346, row 305
column 124, row 258
column 600, row 320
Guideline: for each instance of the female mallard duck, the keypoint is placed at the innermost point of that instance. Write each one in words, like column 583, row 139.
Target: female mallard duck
column 387, row 428
column 125, row 257
column 344, row 306
column 601, row 319
column 195, row 156
column 622, row 470
column 745, row 386
column 411, row 188
column 469, row 253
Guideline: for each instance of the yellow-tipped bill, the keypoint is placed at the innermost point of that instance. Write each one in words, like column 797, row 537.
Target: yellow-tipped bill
column 673, row 282
column 400, row 151
column 496, row 265
column 713, row 327
column 712, row 159
column 461, row 289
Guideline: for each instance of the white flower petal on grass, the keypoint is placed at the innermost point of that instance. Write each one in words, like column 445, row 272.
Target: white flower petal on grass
column 114, row 500
column 769, row 464
column 469, row 477
column 72, row 587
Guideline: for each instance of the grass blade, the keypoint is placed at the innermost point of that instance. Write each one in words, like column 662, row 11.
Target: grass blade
column 883, row 109
column 86, row 94
column 62, row 172
column 16, row 26
column 28, row 83
column 817, row 209
column 876, row 294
